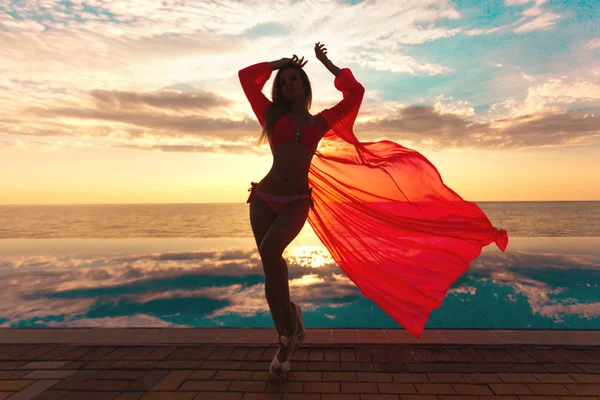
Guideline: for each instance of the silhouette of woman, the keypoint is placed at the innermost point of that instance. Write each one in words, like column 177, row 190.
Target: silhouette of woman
column 381, row 209
column 283, row 197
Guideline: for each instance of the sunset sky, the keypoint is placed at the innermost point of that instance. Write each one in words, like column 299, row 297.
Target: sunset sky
column 137, row 101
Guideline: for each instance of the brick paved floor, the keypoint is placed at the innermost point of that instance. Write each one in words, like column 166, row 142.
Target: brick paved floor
column 320, row 372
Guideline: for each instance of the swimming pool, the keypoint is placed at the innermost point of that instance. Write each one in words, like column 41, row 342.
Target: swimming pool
column 539, row 283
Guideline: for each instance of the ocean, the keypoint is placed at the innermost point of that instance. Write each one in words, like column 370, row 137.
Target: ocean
column 197, row 265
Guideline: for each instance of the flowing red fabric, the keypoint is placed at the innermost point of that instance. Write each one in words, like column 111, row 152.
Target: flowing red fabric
column 383, row 212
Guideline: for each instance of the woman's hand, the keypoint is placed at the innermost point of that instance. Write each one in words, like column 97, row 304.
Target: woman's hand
column 321, row 52
column 282, row 62
column 295, row 60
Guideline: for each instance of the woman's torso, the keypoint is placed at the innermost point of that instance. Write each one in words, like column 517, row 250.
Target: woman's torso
column 288, row 175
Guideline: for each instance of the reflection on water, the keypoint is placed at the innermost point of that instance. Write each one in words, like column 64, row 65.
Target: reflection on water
column 547, row 283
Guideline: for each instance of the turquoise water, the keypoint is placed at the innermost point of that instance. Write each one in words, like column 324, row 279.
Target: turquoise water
column 538, row 283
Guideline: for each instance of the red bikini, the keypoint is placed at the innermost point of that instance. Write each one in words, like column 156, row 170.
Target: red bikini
column 382, row 210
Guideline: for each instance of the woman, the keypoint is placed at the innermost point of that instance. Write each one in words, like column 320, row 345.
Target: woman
column 283, row 197
column 381, row 209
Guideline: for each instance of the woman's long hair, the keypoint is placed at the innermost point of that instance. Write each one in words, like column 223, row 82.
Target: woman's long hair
column 280, row 105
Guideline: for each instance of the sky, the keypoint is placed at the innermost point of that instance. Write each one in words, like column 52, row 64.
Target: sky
column 134, row 101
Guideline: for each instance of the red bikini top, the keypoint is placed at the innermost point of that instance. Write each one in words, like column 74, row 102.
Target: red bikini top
column 286, row 130
column 254, row 77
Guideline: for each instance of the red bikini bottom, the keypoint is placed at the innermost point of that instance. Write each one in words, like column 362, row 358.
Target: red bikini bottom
column 277, row 203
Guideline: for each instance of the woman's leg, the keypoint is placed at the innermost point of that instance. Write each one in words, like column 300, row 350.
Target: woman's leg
column 262, row 217
column 286, row 227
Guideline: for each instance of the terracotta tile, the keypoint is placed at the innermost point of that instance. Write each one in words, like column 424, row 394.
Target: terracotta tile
column 203, row 375
column 345, row 396
column 105, row 385
column 471, row 337
column 321, row 387
column 134, row 364
column 170, row 336
column 45, row 365
column 203, row 386
column 239, row 353
column 396, row 388
column 34, row 389
column 148, row 380
column 471, row 389
column 481, row 378
column 222, row 353
column 213, row 364
column 357, row 366
column 264, row 336
column 441, row 377
column 434, row 388
column 409, row 378
column 493, row 367
column 379, row 354
column 173, row 380
column 584, row 389
column 138, row 352
column 160, row 353
column 169, row 396
column 332, row 354
column 548, row 389
column 323, row 366
column 178, row 364
column 247, row 386
column 233, row 375
column 562, row 367
column 340, row 377
column 371, row 396
column 75, row 380
column 130, row 375
column 381, row 367
column 347, row 355
column 51, row 395
column 248, row 396
column 555, row 378
column 510, row 389
column 318, row 336
column 527, row 368
column 129, row 396
column 300, row 396
column 306, row 375
column 49, row 374
column 12, row 385
column 344, row 336
column 255, row 353
column 400, row 336
column 228, row 396
column 75, row 395
column 591, row 368
column 233, row 336
column 375, row 377
column 517, row 378
column 585, row 378
column 284, row 387
column 359, row 387
column 372, row 336
column 316, row 354
column 363, row 354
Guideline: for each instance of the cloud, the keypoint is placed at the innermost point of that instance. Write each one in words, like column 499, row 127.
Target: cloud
column 593, row 44
column 423, row 125
column 163, row 76
column 542, row 21
column 117, row 99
